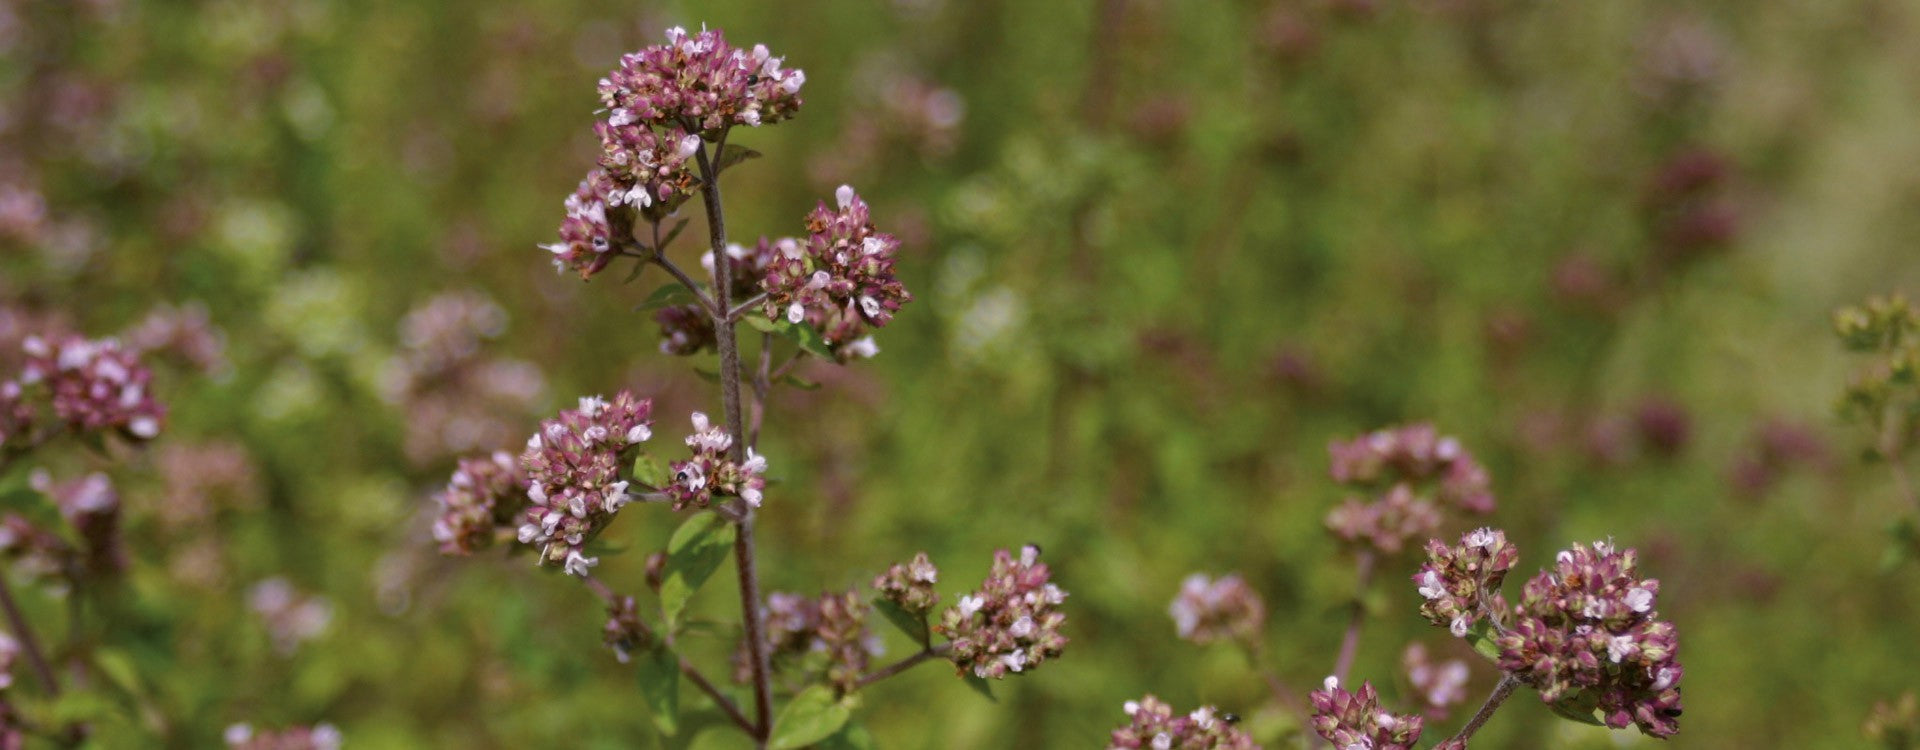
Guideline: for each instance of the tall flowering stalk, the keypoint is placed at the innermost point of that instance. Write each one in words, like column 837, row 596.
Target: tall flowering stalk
column 668, row 113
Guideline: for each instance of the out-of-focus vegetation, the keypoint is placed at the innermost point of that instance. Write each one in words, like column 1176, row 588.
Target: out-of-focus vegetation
column 1163, row 253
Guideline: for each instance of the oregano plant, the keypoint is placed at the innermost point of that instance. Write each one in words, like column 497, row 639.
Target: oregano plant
column 1583, row 635
column 668, row 118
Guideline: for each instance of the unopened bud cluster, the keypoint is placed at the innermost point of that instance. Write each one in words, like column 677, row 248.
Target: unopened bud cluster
column 484, row 498
column 1012, row 623
column 710, row 473
column 1461, row 585
column 1152, row 725
column 910, row 585
column 1416, row 472
column 840, row 279
column 573, row 472
column 1208, row 610
column 1356, row 720
column 1588, row 626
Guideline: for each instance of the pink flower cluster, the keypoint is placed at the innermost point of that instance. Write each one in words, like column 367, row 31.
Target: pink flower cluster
column 1460, row 585
column 573, row 471
column 710, row 473
column 701, row 80
column 1420, row 470
column 586, row 235
column 840, row 280
column 317, row 737
column 1353, row 720
column 1012, row 623
column 660, row 103
column 92, row 386
column 483, row 499
column 1153, row 725
column 910, row 584
column 1208, row 610
column 642, row 167
column 1587, row 627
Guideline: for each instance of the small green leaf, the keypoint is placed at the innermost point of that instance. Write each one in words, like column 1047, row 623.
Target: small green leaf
column 666, row 296
column 915, row 626
column 802, row 334
column 697, row 548
column 733, row 154
column 850, row 737
column 980, row 685
column 761, row 324
column 638, row 266
column 660, row 684
column 707, row 375
column 813, row 715
column 1481, row 636
column 650, row 471
column 1578, row 708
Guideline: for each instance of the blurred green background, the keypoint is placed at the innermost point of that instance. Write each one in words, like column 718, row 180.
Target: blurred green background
column 1163, row 252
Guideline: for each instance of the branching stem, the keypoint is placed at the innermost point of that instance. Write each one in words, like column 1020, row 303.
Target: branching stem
column 924, row 655
column 729, row 345
column 1500, row 694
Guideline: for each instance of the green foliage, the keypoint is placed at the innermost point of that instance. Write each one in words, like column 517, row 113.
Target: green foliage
column 915, row 626
column 811, row 716
column 659, row 671
column 1165, row 257
column 699, row 547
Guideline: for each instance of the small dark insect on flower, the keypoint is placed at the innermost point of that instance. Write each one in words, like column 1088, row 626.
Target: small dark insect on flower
column 1230, row 718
